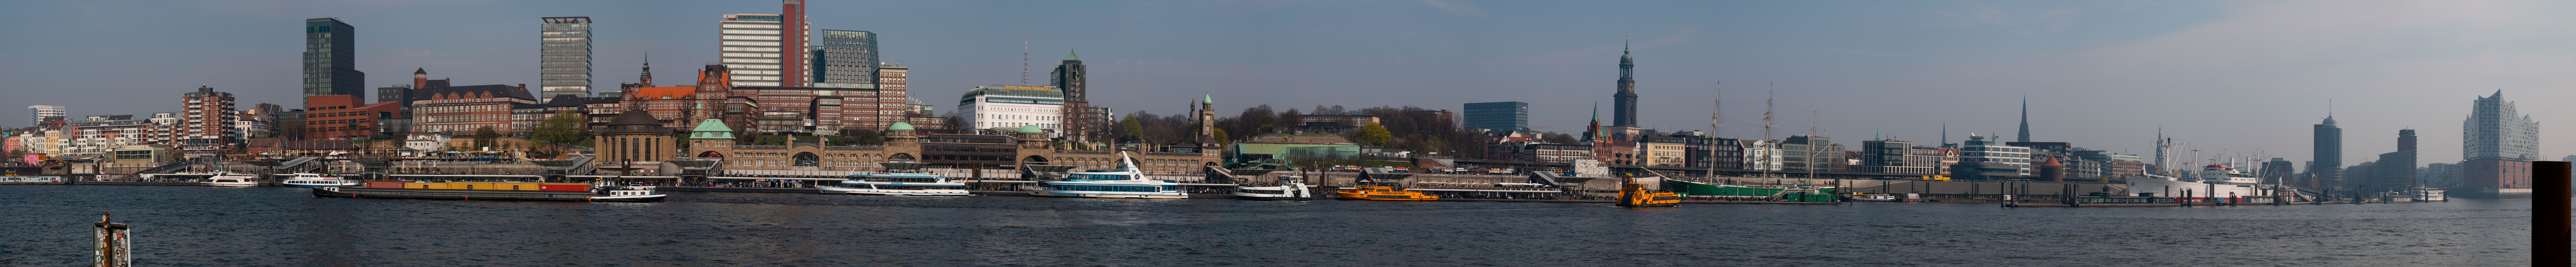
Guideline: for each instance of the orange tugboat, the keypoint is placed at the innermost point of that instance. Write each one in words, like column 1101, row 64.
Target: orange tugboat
column 1383, row 184
column 1384, row 193
column 1634, row 195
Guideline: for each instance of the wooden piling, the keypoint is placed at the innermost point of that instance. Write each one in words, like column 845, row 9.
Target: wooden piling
column 2551, row 210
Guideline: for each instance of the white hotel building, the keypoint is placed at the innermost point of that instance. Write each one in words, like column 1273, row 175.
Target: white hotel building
column 997, row 106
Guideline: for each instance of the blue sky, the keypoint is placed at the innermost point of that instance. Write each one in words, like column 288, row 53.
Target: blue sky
column 2238, row 76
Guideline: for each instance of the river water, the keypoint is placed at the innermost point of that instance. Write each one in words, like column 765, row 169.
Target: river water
column 205, row 226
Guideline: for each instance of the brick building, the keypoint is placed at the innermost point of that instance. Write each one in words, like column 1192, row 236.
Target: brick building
column 347, row 116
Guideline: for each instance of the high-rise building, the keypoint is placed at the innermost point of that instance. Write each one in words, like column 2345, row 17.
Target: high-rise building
column 845, row 59
column 2497, row 147
column 564, row 57
column 206, row 129
column 1508, row 116
column 1624, row 104
column 1081, row 120
column 2395, row 171
column 45, row 113
column 1069, row 76
column 753, row 48
column 330, row 59
column 2328, row 163
column 792, row 12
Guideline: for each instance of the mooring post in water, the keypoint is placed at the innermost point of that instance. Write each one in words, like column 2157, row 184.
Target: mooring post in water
column 2550, row 213
column 113, row 247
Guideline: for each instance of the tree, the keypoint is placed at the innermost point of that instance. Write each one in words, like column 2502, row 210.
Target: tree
column 562, row 128
column 1131, row 128
column 861, row 137
column 1374, row 134
column 485, row 137
column 1220, row 136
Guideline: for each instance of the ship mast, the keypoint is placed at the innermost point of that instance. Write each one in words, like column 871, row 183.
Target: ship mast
column 1767, row 152
column 1716, row 107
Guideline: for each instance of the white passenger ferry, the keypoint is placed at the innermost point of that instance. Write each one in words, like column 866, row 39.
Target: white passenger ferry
column 319, row 180
column 1125, row 182
column 1288, row 188
column 2215, row 181
column 231, row 180
column 897, row 184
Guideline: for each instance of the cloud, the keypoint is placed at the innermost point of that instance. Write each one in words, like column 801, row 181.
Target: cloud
column 1462, row 9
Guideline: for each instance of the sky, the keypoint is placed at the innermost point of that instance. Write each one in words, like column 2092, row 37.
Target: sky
column 2243, row 77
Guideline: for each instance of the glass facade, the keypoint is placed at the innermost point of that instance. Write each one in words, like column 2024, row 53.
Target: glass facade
column 846, row 57
column 1498, row 115
column 564, row 57
column 330, row 53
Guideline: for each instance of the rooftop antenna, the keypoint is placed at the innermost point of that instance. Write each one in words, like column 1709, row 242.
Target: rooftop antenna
column 1024, row 63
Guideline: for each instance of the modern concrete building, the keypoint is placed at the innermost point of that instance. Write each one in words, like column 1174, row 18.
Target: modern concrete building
column 2497, row 146
column 754, row 49
column 1507, row 116
column 1664, row 151
column 845, row 59
column 45, row 113
column 205, row 129
column 2439, row 175
column 1898, row 157
column 330, row 59
column 2395, row 170
column 1817, row 153
column 1980, row 159
column 1011, row 106
column 563, row 57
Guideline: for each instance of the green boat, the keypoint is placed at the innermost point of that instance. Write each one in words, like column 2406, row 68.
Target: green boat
column 1791, row 193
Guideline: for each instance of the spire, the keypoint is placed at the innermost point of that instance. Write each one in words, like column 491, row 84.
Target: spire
column 647, row 78
column 1209, row 98
column 426, row 71
column 1068, row 56
column 2025, row 119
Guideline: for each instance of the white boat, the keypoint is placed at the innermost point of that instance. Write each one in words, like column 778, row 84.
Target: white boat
column 231, row 180
column 1871, row 197
column 628, row 193
column 319, row 180
column 1125, row 182
column 2214, row 181
column 897, row 184
column 2430, row 195
column 1288, row 188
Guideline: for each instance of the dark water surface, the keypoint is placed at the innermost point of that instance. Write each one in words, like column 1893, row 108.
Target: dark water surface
column 46, row 225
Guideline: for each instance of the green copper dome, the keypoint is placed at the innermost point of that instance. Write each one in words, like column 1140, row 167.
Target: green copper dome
column 900, row 126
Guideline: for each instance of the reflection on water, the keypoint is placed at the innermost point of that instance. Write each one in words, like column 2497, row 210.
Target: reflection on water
column 204, row 226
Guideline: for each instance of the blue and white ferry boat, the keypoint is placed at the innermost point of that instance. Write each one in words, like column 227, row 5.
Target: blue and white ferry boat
column 897, row 184
column 319, row 180
column 1125, row 182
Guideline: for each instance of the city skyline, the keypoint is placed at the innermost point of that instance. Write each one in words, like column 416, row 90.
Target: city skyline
column 2220, row 75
